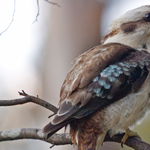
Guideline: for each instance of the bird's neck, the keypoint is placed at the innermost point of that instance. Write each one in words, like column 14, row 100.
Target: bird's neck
column 139, row 40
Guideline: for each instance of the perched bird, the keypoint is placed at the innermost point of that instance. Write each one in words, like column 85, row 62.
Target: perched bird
column 107, row 90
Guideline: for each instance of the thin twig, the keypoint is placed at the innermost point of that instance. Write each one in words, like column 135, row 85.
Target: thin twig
column 38, row 9
column 51, row 115
column 37, row 15
column 53, row 3
column 52, row 146
column 11, row 19
column 27, row 98
column 23, row 93
column 38, row 12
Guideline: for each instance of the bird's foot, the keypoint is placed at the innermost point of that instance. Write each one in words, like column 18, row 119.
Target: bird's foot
column 128, row 133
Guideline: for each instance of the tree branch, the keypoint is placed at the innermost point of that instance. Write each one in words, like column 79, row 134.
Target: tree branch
column 133, row 142
column 56, row 139
column 30, row 133
column 63, row 139
column 27, row 98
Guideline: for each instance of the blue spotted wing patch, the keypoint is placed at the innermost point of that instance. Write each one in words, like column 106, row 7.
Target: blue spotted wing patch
column 102, row 84
column 112, row 78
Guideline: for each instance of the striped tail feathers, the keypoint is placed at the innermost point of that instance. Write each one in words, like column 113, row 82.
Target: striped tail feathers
column 63, row 117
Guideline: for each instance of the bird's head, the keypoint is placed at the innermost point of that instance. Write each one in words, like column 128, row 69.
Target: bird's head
column 132, row 29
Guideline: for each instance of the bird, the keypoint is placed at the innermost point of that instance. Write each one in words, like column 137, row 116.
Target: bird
column 107, row 91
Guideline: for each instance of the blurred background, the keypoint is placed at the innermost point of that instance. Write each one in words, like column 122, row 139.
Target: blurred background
column 36, row 56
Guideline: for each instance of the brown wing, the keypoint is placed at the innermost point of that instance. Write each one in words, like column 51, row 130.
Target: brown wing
column 88, row 65
column 119, row 71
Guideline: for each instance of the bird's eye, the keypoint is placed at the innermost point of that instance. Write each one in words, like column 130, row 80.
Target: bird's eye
column 147, row 17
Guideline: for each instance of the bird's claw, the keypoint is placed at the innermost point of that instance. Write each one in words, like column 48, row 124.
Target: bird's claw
column 128, row 133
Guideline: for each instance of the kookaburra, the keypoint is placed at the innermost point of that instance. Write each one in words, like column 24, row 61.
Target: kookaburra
column 108, row 88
